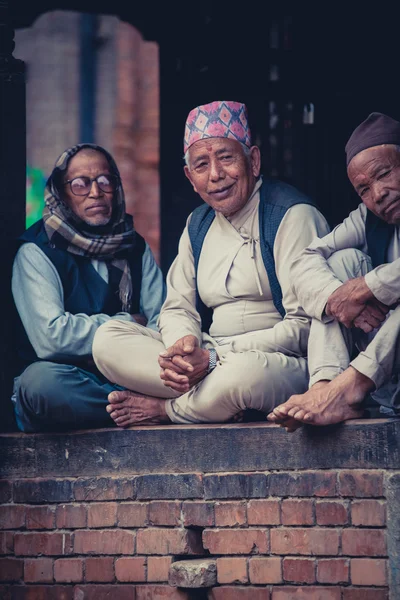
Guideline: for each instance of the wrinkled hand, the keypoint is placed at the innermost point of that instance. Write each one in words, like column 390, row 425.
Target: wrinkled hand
column 348, row 301
column 141, row 319
column 184, row 364
column 372, row 316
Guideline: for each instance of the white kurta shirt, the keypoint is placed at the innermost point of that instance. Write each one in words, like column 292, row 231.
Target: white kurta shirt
column 233, row 281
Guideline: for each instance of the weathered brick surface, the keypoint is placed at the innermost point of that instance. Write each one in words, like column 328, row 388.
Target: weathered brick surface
column 236, row 485
column 226, row 592
column 198, row 514
column 68, row 570
column 38, row 570
column 333, row 570
column 71, row 516
column 48, row 544
column 368, row 571
column 158, row 568
column 40, row 517
column 365, row 594
column 364, row 542
column 312, row 483
column 165, row 513
column 130, row 569
column 104, row 592
column 361, row 484
column 297, row 512
column 104, row 542
column 263, row 512
column 161, row 592
column 232, row 570
column 299, row 570
column 195, row 573
column 169, row 486
column 99, row 569
column 99, row 489
column 12, row 516
column 132, row 514
column 368, row 513
column 169, row 541
column 308, row 593
column 230, row 514
column 236, row 541
column 304, row 541
column 41, row 592
column 331, row 512
column 102, row 514
column 6, row 542
column 5, row 491
column 38, row 491
column 11, row 569
column 265, row 570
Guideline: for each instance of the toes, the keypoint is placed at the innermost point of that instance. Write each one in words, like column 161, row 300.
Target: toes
column 116, row 397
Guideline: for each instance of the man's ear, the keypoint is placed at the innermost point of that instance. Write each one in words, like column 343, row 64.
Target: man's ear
column 189, row 176
column 255, row 159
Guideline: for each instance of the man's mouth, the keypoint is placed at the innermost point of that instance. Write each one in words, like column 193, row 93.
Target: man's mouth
column 222, row 193
column 388, row 209
column 99, row 207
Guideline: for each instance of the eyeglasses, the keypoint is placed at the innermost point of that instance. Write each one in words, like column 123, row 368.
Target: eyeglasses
column 81, row 186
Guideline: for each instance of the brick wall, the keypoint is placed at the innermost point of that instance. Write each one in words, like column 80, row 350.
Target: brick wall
column 280, row 535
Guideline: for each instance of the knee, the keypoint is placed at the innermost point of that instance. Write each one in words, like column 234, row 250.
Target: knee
column 41, row 382
column 349, row 263
column 101, row 341
column 245, row 368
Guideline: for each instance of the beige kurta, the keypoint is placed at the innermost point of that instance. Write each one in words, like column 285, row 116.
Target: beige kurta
column 318, row 271
column 260, row 354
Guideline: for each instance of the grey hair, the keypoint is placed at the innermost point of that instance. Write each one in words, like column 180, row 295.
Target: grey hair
column 246, row 151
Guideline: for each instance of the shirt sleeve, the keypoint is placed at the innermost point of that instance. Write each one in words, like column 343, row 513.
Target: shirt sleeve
column 300, row 225
column 152, row 293
column 179, row 316
column 313, row 280
column 384, row 282
column 39, row 297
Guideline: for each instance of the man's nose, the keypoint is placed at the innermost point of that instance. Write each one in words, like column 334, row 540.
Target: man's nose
column 95, row 191
column 380, row 192
column 216, row 171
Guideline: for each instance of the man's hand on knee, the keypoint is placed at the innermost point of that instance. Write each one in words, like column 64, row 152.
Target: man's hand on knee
column 348, row 301
column 372, row 316
column 184, row 364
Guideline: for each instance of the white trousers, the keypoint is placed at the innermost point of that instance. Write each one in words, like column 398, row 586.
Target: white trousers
column 127, row 354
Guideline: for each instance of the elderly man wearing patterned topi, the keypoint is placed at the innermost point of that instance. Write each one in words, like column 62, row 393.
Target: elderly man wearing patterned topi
column 349, row 283
column 232, row 333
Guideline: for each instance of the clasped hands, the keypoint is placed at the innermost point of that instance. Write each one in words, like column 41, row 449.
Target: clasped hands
column 183, row 364
column 354, row 305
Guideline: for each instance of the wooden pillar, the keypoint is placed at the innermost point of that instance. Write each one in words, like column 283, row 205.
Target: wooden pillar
column 12, row 196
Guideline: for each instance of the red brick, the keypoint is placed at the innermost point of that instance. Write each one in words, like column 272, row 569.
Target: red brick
column 12, row 516
column 99, row 569
column 6, row 542
column 368, row 513
column 71, row 516
column 333, row 570
column 11, row 569
column 263, row 512
column 104, row 542
column 102, row 592
column 102, row 515
column 311, row 483
column 100, row 489
column 169, row 541
column 68, row 570
column 158, row 568
column 364, row 542
column 297, row 512
column 165, row 513
column 331, row 512
column 304, row 541
column 265, row 570
column 368, row 571
column 5, row 491
column 39, row 592
column 361, row 484
column 306, row 593
column 239, row 593
column 299, row 570
column 365, row 594
column 236, row 541
column 40, row 517
column 130, row 569
column 38, row 570
column 198, row 514
column 132, row 514
column 232, row 570
column 230, row 514
column 162, row 592
column 35, row 544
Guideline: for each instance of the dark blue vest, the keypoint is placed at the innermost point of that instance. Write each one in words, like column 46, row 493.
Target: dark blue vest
column 276, row 197
column 85, row 291
column 378, row 235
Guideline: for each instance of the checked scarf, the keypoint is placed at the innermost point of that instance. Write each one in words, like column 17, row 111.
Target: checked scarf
column 67, row 232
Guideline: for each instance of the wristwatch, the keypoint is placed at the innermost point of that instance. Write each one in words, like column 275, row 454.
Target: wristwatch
column 212, row 360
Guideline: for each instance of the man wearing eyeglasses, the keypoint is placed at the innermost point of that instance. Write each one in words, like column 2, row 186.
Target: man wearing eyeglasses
column 79, row 266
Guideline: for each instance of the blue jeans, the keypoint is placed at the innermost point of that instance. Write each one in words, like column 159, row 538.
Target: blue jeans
column 55, row 397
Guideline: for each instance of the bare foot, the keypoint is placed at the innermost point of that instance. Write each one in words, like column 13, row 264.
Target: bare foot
column 129, row 408
column 326, row 402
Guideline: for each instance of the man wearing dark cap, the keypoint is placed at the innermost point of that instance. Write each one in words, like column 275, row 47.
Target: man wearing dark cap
column 349, row 283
